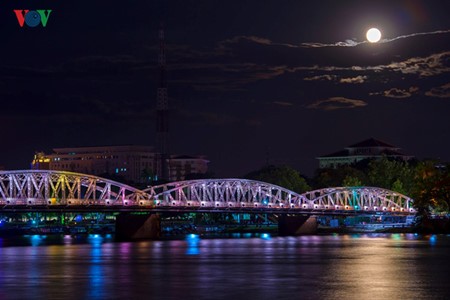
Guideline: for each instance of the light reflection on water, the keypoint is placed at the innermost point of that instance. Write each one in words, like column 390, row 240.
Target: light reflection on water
column 357, row 266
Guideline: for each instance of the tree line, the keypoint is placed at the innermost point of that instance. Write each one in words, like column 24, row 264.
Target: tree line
column 427, row 182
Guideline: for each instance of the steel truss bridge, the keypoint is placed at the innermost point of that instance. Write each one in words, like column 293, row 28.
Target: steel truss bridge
column 66, row 191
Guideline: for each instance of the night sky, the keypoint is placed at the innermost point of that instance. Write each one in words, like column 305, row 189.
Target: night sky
column 250, row 82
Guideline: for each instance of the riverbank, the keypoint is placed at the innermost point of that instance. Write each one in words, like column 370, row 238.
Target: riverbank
column 431, row 226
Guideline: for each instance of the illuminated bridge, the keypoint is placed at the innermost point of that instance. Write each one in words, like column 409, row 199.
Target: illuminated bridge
column 66, row 191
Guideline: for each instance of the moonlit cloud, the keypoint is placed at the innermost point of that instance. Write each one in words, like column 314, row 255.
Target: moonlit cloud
column 335, row 103
column 440, row 92
column 346, row 43
column 223, row 77
column 352, row 43
column 434, row 64
column 357, row 79
column 415, row 34
column 397, row 93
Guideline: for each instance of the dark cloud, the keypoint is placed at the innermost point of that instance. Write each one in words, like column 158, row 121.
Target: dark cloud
column 321, row 77
column 440, row 92
column 335, row 103
column 283, row 103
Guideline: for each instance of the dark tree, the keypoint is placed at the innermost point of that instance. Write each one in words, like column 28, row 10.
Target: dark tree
column 283, row 176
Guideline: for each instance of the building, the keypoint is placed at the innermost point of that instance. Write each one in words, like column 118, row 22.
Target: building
column 134, row 163
column 183, row 165
column 367, row 149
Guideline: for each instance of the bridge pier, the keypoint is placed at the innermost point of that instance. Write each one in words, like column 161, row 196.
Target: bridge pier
column 296, row 225
column 131, row 226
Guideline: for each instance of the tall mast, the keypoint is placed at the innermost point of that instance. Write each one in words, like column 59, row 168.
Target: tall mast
column 162, row 112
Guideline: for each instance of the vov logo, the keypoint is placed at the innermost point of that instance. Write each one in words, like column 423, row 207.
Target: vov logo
column 32, row 17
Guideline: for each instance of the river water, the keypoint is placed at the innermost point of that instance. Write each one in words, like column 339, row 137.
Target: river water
column 359, row 266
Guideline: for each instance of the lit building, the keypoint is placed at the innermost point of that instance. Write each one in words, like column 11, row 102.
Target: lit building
column 368, row 149
column 133, row 163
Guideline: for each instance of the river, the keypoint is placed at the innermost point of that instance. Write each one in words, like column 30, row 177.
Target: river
column 244, row 266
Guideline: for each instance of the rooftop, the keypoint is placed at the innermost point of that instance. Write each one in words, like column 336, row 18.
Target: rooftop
column 383, row 148
column 370, row 143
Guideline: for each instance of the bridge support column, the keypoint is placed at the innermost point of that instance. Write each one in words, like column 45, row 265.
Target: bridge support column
column 296, row 225
column 133, row 227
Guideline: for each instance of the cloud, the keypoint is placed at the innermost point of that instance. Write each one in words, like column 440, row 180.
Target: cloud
column 352, row 43
column 440, row 92
column 346, row 43
column 357, row 79
column 415, row 34
column 223, row 77
column 434, row 64
column 224, row 46
column 335, row 103
column 400, row 93
column 283, row 103
column 321, row 77
column 230, row 77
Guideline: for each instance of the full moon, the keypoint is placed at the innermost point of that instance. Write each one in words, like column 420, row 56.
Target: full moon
column 373, row 35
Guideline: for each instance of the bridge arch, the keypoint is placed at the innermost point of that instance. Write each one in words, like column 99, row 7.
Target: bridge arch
column 243, row 193
column 360, row 198
column 221, row 193
column 45, row 187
